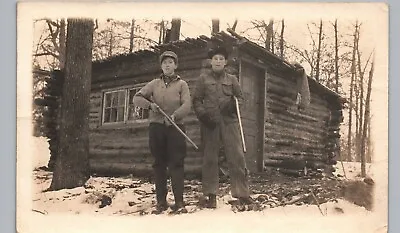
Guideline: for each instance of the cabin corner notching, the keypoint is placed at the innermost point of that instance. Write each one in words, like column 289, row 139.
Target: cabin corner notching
column 277, row 132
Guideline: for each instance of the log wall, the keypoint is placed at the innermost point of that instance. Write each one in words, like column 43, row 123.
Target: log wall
column 297, row 138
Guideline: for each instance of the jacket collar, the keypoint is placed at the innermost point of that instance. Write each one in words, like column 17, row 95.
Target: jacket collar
column 172, row 78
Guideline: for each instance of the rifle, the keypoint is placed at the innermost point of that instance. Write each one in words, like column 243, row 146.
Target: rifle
column 172, row 122
column 240, row 123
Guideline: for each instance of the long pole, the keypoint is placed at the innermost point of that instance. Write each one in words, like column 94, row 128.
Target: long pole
column 240, row 124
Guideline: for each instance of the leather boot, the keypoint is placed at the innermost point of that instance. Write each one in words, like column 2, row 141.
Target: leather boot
column 161, row 185
column 212, row 201
column 179, row 208
column 246, row 200
column 160, row 207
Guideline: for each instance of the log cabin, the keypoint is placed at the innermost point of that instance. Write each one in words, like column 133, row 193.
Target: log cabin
column 278, row 134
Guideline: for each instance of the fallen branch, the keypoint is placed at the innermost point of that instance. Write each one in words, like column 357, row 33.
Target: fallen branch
column 40, row 212
column 316, row 201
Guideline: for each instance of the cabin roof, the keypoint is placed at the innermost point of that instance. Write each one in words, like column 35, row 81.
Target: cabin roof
column 202, row 42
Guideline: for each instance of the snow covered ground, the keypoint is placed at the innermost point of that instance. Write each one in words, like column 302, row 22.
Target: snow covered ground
column 75, row 210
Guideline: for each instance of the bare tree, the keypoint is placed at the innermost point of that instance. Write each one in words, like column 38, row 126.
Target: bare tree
column 234, row 25
column 72, row 164
column 132, row 36
column 351, row 107
column 318, row 51
column 366, row 119
column 215, row 25
column 335, row 26
column 281, row 42
column 269, row 43
column 52, row 44
column 175, row 29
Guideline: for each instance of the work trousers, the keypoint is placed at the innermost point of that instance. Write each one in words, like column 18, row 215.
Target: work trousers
column 228, row 133
column 168, row 148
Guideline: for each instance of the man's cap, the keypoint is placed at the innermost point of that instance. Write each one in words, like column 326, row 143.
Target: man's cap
column 218, row 50
column 168, row 54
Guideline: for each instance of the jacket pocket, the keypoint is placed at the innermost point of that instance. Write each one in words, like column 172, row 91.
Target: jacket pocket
column 211, row 88
column 227, row 89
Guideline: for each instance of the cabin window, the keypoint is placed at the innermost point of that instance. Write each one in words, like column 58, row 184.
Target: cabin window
column 114, row 106
column 134, row 112
column 118, row 107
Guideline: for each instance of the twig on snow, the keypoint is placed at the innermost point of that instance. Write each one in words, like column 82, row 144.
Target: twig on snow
column 40, row 212
column 316, row 201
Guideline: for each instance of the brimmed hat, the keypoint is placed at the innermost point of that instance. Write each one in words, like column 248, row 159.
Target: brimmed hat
column 218, row 50
column 168, row 54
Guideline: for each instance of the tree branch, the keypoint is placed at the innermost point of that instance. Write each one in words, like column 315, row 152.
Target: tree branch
column 45, row 54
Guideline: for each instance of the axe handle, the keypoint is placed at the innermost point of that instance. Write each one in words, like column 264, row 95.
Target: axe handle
column 240, row 124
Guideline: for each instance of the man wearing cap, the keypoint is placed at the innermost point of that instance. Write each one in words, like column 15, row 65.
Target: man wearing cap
column 215, row 107
column 168, row 147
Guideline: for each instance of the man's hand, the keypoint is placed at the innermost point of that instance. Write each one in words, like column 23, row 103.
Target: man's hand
column 167, row 122
column 154, row 107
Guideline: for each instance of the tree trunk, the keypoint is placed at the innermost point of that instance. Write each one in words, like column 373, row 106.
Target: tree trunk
column 132, row 36
column 175, row 29
column 110, row 48
column 367, row 113
column 234, row 25
column 369, row 142
column 357, row 119
column 215, row 25
column 161, row 36
column 318, row 51
column 360, row 117
column 270, row 34
column 281, row 41
column 336, row 58
column 62, row 40
column 353, row 73
column 72, row 164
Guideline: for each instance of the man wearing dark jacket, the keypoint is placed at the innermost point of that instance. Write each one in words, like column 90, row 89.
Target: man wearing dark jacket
column 215, row 107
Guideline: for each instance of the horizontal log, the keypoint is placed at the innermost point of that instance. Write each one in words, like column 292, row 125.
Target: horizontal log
column 294, row 149
column 290, row 127
column 282, row 136
column 288, row 103
column 295, row 164
column 291, row 157
column 277, row 84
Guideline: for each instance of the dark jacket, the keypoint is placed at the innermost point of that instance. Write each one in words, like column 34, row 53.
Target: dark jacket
column 213, row 95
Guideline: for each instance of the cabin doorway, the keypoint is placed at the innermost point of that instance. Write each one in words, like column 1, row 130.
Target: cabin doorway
column 252, row 81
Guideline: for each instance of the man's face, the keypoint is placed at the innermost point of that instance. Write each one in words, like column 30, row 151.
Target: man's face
column 168, row 66
column 218, row 62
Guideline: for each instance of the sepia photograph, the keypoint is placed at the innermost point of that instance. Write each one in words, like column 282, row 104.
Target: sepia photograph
column 202, row 117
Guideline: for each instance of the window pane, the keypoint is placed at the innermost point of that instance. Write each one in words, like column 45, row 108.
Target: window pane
column 120, row 114
column 121, row 98
column 131, row 95
column 113, row 117
column 107, row 115
column 114, row 99
column 108, row 99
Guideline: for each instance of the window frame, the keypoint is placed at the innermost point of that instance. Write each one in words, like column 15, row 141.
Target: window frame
column 138, row 87
column 126, row 90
